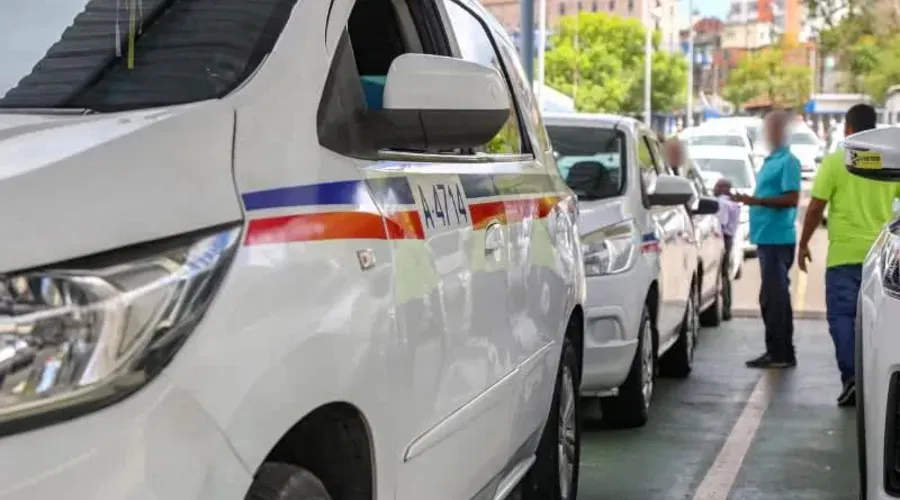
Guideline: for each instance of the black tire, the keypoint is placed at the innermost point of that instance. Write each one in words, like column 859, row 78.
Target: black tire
column 631, row 406
column 543, row 481
column 277, row 481
column 679, row 360
column 713, row 314
column 860, row 406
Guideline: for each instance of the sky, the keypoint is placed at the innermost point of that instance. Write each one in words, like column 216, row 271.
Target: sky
column 713, row 8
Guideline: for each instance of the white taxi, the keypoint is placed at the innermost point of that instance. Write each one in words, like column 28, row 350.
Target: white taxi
column 650, row 280
column 875, row 154
column 281, row 249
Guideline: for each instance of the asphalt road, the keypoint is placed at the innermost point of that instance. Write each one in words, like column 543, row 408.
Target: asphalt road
column 731, row 433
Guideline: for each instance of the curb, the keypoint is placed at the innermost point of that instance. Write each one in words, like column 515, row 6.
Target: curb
column 754, row 313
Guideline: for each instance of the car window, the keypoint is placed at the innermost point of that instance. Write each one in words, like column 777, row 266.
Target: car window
column 648, row 169
column 734, row 170
column 476, row 45
column 716, row 140
column 114, row 56
column 604, row 146
column 656, row 156
column 531, row 110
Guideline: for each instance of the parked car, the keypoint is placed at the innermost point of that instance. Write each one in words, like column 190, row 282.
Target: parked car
column 754, row 128
column 807, row 147
column 302, row 250
column 646, row 281
column 734, row 164
column 874, row 154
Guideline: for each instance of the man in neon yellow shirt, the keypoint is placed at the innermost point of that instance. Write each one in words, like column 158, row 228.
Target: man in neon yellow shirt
column 858, row 210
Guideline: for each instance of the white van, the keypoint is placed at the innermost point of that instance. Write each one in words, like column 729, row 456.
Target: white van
column 282, row 249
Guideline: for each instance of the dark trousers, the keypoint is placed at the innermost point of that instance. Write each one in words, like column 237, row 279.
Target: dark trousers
column 775, row 263
column 841, row 291
column 726, row 272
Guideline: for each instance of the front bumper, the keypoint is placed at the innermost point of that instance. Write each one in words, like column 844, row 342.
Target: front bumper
column 157, row 444
column 613, row 314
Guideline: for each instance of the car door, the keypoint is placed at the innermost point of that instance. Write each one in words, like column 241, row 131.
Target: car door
column 679, row 223
column 542, row 271
column 450, row 257
column 708, row 234
column 528, row 195
column 667, row 229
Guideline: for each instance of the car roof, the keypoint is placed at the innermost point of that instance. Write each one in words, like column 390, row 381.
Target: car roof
column 600, row 120
column 723, row 152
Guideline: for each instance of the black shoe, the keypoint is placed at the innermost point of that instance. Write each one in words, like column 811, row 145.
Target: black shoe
column 767, row 361
column 848, row 395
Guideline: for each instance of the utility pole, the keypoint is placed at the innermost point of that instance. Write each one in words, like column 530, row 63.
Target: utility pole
column 689, row 119
column 526, row 28
column 648, row 63
column 542, row 45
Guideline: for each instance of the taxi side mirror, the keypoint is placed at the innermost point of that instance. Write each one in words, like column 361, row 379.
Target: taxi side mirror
column 874, row 154
column 439, row 103
column 671, row 190
column 706, row 205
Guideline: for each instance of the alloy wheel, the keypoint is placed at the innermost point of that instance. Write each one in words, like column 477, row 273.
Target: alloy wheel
column 567, row 434
column 648, row 366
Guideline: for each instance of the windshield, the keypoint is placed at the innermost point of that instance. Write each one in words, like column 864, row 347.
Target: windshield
column 110, row 56
column 716, row 140
column 736, row 171
column 803, row 139
column 604, row 146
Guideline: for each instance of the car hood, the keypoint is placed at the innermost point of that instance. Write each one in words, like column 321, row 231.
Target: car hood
column 597, row 214
column 71, row 186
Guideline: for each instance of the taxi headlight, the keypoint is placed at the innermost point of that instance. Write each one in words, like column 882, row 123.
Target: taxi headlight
column 78, row 337
column 611, row 250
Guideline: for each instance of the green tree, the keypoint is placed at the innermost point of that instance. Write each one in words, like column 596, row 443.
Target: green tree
column 768, row 74
column 598, row 59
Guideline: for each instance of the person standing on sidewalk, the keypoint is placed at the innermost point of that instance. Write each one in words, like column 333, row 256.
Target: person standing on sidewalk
column 773, row 215
column 730, row 217
column 859, row 208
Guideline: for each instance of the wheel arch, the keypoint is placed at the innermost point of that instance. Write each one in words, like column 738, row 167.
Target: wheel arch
column 334, row 442
column 575, row 334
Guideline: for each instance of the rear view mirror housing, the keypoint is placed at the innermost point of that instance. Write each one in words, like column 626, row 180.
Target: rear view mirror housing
column 874, row 154
column 438, row 103
column 706, row 205
column 671, row 190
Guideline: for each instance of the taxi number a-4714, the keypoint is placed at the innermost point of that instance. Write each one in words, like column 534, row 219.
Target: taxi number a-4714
column 442, row 203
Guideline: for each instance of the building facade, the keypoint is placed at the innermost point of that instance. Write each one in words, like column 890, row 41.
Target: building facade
column 663, row 14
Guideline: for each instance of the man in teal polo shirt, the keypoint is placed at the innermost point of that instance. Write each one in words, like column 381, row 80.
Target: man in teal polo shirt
column 773, row 215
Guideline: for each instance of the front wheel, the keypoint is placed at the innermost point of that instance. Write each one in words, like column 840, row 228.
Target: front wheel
column 631, row 406
column 679, row 361
column 554, row 475
column 278, row 481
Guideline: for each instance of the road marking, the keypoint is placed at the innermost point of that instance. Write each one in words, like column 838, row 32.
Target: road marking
column 723, row 473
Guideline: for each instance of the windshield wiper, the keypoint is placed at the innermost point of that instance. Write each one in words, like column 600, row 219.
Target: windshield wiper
column 48, row 111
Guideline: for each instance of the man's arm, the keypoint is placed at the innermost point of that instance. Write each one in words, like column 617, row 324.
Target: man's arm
column 814, row 212
column 790, row 189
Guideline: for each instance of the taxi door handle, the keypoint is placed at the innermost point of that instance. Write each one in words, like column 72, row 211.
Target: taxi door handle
column 493, row 238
